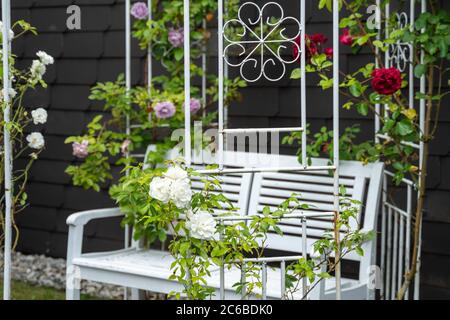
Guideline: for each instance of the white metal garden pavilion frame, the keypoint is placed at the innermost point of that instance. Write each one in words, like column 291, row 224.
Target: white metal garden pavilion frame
column 395, row 235
column 389, row 209
column 222, row 114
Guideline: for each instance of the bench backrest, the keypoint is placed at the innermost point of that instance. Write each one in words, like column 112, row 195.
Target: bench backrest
column 252, row 192
column 362, row 183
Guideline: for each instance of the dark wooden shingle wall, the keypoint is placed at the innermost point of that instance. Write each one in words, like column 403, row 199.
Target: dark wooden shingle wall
column 96, row 53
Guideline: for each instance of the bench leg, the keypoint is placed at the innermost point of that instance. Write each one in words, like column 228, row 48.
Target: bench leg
column 73, row 284
column 72, row 293
column 137, row 294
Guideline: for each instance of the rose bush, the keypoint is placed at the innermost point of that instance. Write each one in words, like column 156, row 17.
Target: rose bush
column 161, row 106
column 23, row 146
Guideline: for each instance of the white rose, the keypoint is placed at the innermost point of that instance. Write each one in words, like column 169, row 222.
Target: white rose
column 180, row 193
column 36, row 140
column 12, row 93
column 45, row 58
column 176, row 173
column 37, row 69
column 39, row 116
column 201, row 225
column 160, row 189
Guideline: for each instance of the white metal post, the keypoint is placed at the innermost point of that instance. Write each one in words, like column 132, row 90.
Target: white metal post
column 222, row 269
column 401, row 246
column 221, row 134
column 377, row 65
column 149, row 52
column 394, row 256
column 383, row 236
column 411, row 56
column 243, row 280
column 127, row 83
column 303, row 79
column 305, row 255
column 283, row 279
column 187, row 84
column 408, row 235
column 204, row 61
column 388, row 253
column 128, row 87
column 6, row 17
column 387, row 15
column 264, row 280
column 336, row 136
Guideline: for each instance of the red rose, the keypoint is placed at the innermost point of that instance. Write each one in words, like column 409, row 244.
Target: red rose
column 328, row 52
column 318, row 38
column 386, row 81
column 346, row 38
column 311, row 48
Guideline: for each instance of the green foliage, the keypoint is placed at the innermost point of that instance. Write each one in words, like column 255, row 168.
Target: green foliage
column 20, row 121
column 137, row 104
column 430, row 34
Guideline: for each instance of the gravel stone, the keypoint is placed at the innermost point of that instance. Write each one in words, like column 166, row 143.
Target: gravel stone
column 50, row 272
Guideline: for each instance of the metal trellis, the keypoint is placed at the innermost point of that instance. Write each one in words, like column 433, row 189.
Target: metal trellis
column 396, row 222
column 262, row 41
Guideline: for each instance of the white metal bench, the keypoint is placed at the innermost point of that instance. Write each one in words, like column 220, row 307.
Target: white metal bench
column 145, row 269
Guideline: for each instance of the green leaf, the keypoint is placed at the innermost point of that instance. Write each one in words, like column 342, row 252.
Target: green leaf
column 359, row 251
column 324, row 275
column 362, row 40
column 404, row 127
column 296, row 73
column 178, row 54
column 362, row 108
column 420, row 70
column 326, row 83
column 379, row 44
column 355, row 89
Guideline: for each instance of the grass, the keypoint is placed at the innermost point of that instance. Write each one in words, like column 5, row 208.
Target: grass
column 24, row 291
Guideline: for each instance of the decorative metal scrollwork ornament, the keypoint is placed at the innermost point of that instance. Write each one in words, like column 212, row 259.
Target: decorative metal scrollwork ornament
column 399, row 52
column 259, row 43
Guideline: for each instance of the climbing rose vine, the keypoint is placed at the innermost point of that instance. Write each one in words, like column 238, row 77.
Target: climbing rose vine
column 24, row 117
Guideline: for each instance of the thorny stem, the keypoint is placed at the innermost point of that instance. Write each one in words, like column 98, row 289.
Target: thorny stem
column 409, row 276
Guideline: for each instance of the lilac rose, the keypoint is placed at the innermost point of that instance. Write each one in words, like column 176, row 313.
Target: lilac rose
column 176, row 37
column 139, row 10
column 195, row 105
column 80, row 150
column 164, row 110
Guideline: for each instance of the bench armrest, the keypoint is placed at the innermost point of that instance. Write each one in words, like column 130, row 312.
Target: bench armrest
column 76, row 223
column 83, row 217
